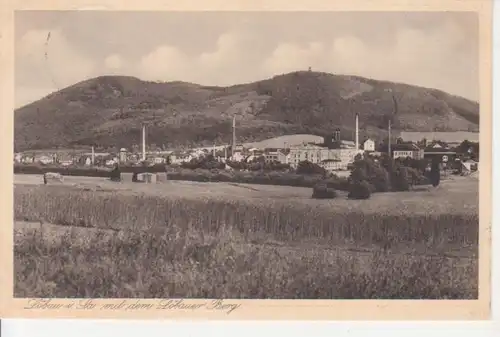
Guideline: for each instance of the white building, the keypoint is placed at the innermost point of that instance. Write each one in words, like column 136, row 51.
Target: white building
column 237, row 156
column 337, row 159
column 369, row 145
column 331, row 165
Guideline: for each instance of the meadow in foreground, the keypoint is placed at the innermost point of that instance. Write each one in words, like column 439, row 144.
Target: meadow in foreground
column 167, row 247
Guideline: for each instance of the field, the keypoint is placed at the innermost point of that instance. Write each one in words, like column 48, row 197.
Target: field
column 90, row 237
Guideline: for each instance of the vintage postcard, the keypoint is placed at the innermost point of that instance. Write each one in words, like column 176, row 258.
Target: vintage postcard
column 240, row 160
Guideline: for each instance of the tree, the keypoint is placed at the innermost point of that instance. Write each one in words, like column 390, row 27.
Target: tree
column 359, row 190
column 367, row 169
column 435, row 173
column 115, row 174
column 401, row 179
column 306, row 167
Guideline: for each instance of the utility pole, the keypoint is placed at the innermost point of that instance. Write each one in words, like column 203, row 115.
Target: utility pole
column 395, row 112
column 389, row 141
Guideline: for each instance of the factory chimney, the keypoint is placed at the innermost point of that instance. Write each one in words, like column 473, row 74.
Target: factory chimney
column 357, row 132
column 234, row 136
column 93, row 156
column 143, row 142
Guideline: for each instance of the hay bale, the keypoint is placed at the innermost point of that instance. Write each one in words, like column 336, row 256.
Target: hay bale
column 52, row 177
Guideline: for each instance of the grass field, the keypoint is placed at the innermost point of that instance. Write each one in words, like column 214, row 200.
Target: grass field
column 185, row 239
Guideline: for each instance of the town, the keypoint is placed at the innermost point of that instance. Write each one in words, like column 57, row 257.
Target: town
column 454, row 150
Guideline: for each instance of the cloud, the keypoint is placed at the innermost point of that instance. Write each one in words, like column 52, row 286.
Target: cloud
column 113, row 62
column 433, row 59
column 290, row 57
column 228, row 63
column 164, row 63
column 440, row 55
column 46, row 56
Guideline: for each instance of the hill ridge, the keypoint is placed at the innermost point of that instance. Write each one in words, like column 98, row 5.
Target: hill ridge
column 108, row 110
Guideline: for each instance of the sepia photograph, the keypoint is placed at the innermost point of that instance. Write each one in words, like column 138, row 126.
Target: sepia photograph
column 314, row 155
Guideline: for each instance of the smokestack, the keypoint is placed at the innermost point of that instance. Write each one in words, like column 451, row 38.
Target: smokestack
column 93, row 156
column 234, row 135
column 389, row 142
column 144, row 142
column 357, row 132
column 225, row 152
column 214, row 150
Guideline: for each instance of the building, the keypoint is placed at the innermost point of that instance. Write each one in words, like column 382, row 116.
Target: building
column 451, row 138
column 43, row 159
column 331, row 165
column 369, row 145
column 312, row 153
column 238, row 157
column 271, row 155
column 318, row 154
column 440, row 152
column 18, row 157
column 469, row 166
column 123, row 155
column 407, row 150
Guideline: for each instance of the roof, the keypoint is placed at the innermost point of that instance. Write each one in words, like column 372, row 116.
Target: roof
column 438, row 150
column 405, row 147
column 448, row 137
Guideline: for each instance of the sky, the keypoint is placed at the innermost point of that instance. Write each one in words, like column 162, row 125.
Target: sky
column 437, row 50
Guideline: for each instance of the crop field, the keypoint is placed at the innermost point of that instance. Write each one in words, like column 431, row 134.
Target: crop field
column 90, row 237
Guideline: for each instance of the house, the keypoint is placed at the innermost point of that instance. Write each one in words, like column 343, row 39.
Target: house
column 28, row 159
column 369, row 145
column 331, row 165
column 18, row 157
column 66, row 162
column 237, row 156
column 180, row 158
column 44, row 159
column 123, row 155
column 159, row 160
column 439, row 151
column 110, row 162
column 347, row 144
column 407, row 150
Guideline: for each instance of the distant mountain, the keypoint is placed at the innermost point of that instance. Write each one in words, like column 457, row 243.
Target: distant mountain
column 107, row 111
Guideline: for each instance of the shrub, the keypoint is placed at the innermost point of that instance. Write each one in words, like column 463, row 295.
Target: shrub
column 400, row 179
column 337, row 183
column 435, row 174
column 306, row 167
column 360, row 190
column 115, row 174
column 322, row 191
column 367, row 169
